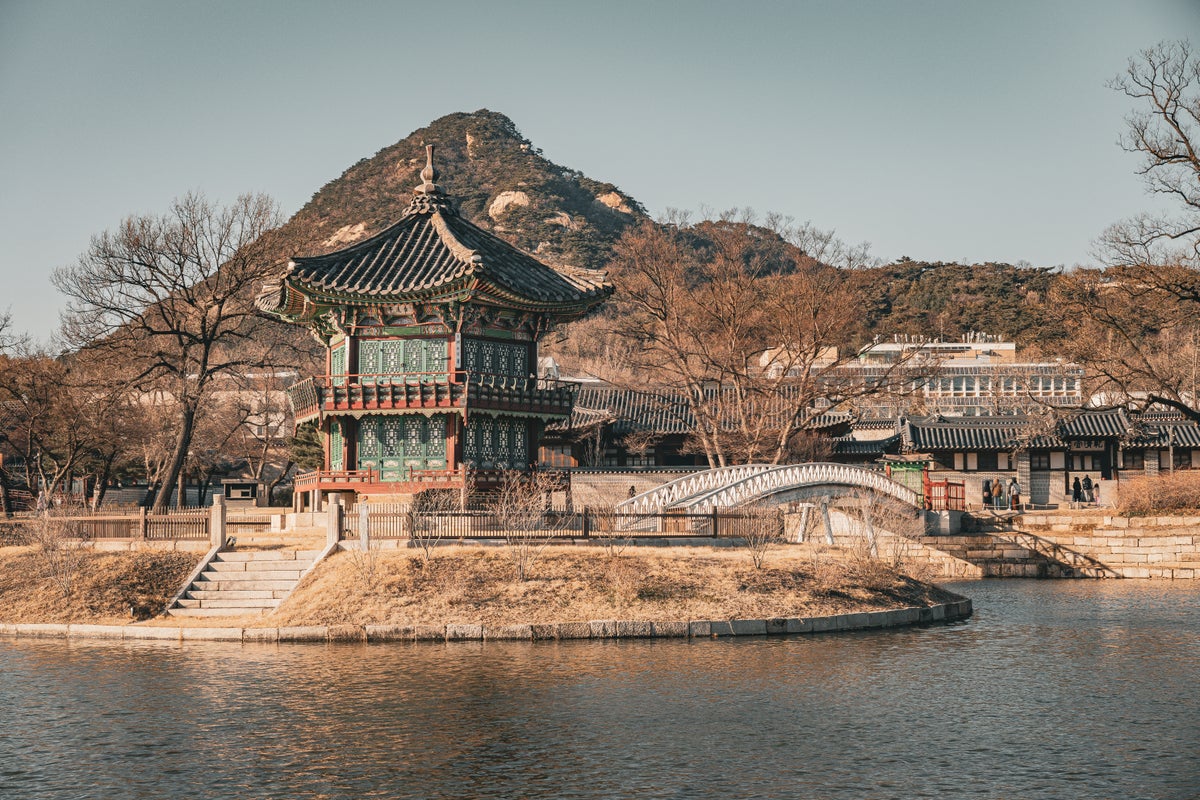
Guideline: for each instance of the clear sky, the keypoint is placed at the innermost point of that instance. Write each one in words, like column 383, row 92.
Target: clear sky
column 936, row 130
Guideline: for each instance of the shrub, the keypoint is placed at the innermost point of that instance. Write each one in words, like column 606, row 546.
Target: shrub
column 1164, row 493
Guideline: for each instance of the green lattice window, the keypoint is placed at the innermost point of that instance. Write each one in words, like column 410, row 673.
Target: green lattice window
column 425, row 358
column 394, row 445
column 335, row 445
column 496, row 443
column 495, row 358
column 337, row 365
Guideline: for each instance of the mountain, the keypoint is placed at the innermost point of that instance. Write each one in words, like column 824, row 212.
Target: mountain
column 504, row 184
column 950, row 300
column 500, row 180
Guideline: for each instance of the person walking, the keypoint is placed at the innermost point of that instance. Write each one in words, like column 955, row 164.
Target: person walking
column 998, row 494
column 1087, row 489
column 1076, row 493
column 987, row 493
column 1014, row 495
column 1096, row 491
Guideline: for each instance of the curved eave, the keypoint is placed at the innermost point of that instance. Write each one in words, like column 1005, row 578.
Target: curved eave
column 301, row 302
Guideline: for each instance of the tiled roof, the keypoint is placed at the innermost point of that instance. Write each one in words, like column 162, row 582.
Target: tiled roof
column 964, row 433
column 1162, row 430
column 658, row 412
column 1095, row 425
column 848, row 446
column 433, row 252
column 1006, row 433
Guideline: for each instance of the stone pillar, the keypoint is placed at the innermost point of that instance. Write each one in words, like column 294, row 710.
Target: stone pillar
column 333, row 521
column 825, row 516
column 1023, row 476
column 364, row 518
column 143, row 524
column 217, row 522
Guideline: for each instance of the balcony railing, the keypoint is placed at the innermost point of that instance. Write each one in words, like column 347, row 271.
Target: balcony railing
column 415, row 480
column 346, row 393
column 322, row 478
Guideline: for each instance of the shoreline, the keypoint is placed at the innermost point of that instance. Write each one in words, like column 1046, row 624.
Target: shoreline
column 954, row 611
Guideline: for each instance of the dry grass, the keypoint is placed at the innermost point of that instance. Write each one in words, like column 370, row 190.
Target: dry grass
column 109, row 588
column 476, row 585
column 1163, row 494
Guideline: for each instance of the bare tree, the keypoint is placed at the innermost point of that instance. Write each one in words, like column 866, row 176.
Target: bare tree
column 59, row 550
column 522, row 508
column 748, row 335
column 1165, row 130
column 46, row 423
column 170, row 298
column 7, row 339
column 1136, row 325
column 761, row 528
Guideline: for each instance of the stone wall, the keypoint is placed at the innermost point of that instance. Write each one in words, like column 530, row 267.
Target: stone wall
column 1134, row 547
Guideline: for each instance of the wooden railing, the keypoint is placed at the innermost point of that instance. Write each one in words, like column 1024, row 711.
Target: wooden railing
column 401, row 521
column 311, row 480
column 189, row 525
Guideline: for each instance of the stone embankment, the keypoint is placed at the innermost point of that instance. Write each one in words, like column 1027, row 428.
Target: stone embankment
column 599, row 629
column 1133, row 547
column 1063, row 544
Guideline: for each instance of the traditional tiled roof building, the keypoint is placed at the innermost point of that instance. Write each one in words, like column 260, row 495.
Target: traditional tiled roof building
column 1044, row 455
column 431, row 329
column 607, row 418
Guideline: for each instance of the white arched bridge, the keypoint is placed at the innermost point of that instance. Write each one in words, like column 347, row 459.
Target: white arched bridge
column 767, row 484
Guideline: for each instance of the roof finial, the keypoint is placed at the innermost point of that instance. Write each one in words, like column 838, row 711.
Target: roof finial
column 429, row 174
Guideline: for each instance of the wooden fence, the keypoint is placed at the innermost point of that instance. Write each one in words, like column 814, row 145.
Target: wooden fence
column 398, row 521
column 189, row 525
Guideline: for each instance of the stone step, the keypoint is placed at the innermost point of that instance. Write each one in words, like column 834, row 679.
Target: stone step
column 255, row 575
column 259, row 566
column 217, row 612
column 265, row 602
column 242, row 582
column 242, row 586
column 232, row 556
column 236, row 594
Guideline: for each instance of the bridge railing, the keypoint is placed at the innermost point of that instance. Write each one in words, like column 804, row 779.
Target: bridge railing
column 736, row 486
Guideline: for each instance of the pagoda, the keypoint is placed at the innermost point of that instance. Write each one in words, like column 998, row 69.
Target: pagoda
column 431, row 329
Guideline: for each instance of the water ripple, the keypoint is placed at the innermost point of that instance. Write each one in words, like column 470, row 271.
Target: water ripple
column 1054, row 690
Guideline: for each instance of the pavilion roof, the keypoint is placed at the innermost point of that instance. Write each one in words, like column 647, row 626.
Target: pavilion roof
column 432, row 253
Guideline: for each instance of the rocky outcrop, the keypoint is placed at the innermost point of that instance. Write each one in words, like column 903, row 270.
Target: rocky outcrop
column 506, row 199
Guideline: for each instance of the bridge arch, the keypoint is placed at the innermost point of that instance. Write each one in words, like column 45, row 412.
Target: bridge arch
column 731, row 487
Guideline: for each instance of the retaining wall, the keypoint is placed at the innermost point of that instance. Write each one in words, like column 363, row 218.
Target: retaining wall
column 1133, row 547
column 596, row 629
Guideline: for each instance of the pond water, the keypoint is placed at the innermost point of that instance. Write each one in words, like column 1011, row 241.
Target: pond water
column 1053, row 690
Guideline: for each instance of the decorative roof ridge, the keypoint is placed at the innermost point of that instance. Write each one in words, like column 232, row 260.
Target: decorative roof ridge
column 457, row 248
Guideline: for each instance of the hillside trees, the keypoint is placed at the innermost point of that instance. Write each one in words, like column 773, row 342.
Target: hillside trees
column 736, row 319
column 1136, row 325
column 167, row 301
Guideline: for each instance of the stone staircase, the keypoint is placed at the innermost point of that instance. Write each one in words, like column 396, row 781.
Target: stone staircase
column 244, row 582
column 1001, row 547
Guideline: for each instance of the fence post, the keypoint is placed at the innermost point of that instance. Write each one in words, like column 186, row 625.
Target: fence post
column 216, row 526
column 333, row 521
column 141, row 524
column 714, row 522
column 364, row 518
column 586, row 526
